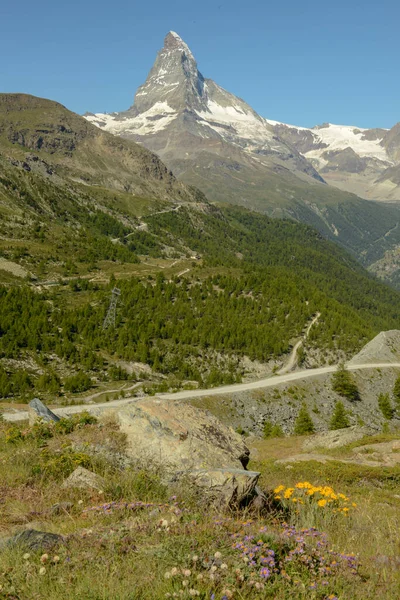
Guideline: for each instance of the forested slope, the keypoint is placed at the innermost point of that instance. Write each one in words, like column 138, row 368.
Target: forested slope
column 202, row 288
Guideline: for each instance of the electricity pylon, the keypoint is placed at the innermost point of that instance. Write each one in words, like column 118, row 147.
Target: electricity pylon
column 109, row 321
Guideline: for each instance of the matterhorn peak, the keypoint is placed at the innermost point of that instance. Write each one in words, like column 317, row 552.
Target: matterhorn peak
column 174, row 80
column 173, row 41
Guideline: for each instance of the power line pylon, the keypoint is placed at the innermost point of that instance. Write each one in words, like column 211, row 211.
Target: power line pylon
column 109, row 321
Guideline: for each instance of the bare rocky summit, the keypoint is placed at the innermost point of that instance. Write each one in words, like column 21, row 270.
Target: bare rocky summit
column 384, row 348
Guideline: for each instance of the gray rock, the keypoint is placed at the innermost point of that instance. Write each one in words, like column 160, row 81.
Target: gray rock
column 180, row 437
column 337, row 438
column 38, row 410
column 230, row 488
column 83, row 479
column 34, row 540
column 384, row 348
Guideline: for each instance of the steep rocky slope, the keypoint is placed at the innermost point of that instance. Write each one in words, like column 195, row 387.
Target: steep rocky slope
column 43, row 137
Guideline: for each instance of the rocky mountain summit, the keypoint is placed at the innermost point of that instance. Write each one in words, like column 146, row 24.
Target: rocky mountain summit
column 176, row 97
column 215, row 141
column 177, row 106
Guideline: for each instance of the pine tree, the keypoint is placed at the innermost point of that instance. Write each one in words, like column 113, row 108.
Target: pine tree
column 385, row 406
column 272, row 430
column 304, row 423
column 396, row 391
column 339, row 419
column 343, row 384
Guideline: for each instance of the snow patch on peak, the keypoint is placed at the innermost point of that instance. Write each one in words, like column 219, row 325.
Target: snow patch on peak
column 157, row 118
column 339, row 137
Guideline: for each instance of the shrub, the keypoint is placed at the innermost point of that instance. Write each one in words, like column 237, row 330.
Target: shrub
column 343, row 384
column 304, row 423
column 339, row 419
column 13, row 435
column 396, row 391
column 49, row 382
column 62, row 464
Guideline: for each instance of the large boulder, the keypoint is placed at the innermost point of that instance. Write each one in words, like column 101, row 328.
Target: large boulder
column 39, row 411
column 229, row 487
column 336, row 438
column 180, row 437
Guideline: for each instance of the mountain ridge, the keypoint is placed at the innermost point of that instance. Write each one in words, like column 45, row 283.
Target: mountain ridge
column 216, row 142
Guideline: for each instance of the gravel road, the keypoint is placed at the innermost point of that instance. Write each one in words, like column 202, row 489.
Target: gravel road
column 272, row 381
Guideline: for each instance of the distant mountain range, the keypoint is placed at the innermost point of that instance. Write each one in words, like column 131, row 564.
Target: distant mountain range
column 211, row 139
column 177, row 101
column 363, row 161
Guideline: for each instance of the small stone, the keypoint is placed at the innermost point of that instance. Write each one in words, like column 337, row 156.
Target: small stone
column 34, row 540
column 61, row 507
column 84, row 479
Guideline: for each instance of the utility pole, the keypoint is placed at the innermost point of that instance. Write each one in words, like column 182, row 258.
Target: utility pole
column 109, row 321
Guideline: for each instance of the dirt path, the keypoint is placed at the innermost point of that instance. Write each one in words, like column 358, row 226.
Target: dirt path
column 271, row 381
column 293, row 356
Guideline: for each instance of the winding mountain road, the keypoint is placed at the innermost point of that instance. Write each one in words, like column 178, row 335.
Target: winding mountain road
column 268, row 382
column 293, row 355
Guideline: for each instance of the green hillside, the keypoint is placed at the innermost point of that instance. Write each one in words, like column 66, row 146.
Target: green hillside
column 202, row 288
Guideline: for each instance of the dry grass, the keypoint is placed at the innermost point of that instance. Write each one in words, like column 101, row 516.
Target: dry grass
column 123, row 550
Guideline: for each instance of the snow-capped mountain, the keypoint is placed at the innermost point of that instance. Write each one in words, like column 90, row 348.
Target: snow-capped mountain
column 353, row 159
column 189, row 121
column 177, row 106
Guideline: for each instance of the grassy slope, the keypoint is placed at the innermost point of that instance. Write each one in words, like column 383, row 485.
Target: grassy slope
column 124, row 553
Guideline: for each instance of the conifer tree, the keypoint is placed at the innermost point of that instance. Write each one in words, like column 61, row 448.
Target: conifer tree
column 304, row 423
column 343, row 384
column 339, row 419
column 396, row 391
column 385, row 406
column 272, row 430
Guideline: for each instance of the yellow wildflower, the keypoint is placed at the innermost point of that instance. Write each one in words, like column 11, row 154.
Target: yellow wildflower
column 279, row 489
column 288, row 493
column 322, row 502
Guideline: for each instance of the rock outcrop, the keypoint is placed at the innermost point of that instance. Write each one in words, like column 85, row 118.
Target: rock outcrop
column 191, row 444
column 37, row 410
column 180, row 437
column 337, row 438
column 229, row 487
column 33, row 540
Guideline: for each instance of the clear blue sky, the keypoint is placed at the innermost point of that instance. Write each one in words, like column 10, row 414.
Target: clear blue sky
column 302, row 62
